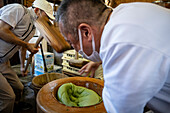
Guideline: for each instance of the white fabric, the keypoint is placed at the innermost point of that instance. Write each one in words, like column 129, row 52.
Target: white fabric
column 15, row 11
column 22, row 21
column 135, row 53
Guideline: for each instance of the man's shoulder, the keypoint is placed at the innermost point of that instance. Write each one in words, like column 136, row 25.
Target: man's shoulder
column 14, row 7
column 12, row 13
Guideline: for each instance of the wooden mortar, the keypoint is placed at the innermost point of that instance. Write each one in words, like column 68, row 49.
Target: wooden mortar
column 47, row 102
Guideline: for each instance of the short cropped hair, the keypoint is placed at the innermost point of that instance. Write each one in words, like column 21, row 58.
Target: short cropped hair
column 72, row 13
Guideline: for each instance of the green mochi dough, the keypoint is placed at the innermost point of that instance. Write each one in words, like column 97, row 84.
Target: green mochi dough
column 72, row 95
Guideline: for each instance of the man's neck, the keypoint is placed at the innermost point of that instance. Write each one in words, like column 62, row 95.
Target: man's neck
column 107, row 15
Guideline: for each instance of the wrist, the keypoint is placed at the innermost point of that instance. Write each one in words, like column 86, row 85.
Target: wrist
column 25, row 45
column 22, row 69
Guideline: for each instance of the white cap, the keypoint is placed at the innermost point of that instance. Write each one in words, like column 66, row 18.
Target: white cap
column 45, row 6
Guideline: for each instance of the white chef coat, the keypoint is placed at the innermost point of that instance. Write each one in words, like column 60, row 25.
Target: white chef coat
column 22, row 21
column 135, row 53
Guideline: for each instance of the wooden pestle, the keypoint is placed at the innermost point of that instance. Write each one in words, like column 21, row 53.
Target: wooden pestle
column 31, row 55
column 52, row 34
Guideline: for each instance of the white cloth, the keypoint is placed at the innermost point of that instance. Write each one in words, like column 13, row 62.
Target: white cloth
column 15, row 12
column 22, row 21
column 135, row 53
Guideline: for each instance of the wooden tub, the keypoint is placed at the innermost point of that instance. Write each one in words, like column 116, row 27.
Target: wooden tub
column 47, row 102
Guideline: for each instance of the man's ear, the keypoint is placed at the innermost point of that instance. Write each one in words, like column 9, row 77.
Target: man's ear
column 36, row 10
column 86, row 31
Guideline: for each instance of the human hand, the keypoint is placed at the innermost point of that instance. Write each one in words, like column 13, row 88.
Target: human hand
column 23, row 73
column 32, row 48
column 89, row 67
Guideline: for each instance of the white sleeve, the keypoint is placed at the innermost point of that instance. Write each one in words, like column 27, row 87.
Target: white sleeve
column 12, row 14
column 133, row 75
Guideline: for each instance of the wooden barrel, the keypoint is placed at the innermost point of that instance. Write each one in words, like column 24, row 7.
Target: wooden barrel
column 47, row 102
column 39, row 81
